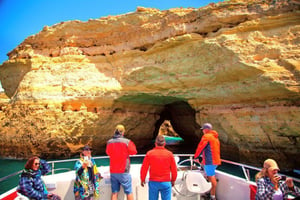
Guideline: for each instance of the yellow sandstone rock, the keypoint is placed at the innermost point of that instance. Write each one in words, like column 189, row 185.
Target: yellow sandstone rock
column 234, row 64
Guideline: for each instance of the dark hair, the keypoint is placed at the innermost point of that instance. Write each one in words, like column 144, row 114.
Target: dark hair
column 86, row 148
column 30, row 162
column 160, row 140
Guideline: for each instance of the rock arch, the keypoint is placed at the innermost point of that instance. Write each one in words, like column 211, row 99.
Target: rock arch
column 183, row 120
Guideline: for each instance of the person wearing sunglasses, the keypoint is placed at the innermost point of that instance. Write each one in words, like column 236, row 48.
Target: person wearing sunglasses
column 31, row 184
column 87, row 181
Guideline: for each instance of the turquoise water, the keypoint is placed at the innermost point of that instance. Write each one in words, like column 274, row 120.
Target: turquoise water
column 8, row 166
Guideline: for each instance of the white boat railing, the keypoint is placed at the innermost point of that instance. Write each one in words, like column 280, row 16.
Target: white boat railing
column 245, row 168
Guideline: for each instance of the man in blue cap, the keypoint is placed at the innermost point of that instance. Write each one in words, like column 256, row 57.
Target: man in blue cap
column 209, row 147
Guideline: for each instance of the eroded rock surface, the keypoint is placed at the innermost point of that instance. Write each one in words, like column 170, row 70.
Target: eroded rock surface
column 235, row 64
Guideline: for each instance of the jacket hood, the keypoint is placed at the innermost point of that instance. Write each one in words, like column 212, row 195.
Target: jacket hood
column 30, row 173
column 117, row 136
column 214, row 133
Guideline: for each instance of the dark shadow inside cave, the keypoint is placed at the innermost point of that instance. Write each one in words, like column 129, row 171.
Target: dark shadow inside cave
column 182, row 117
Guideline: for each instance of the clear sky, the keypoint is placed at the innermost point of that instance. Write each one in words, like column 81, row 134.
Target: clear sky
column 22, row 18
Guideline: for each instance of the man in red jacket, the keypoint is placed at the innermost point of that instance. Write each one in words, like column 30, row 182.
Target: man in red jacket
column 209, row 146
column 118, row 149
column 163, row 170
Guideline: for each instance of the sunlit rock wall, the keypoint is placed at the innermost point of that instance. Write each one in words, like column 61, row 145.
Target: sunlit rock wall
column 235, row 63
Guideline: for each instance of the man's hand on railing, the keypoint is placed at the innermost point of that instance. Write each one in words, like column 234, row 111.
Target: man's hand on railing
column 196, row 160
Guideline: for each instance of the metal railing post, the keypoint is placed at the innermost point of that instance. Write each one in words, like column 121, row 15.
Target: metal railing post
column 191, row 160
column 52, row 167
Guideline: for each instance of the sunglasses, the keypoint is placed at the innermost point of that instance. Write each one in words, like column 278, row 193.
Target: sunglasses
column 36, row 164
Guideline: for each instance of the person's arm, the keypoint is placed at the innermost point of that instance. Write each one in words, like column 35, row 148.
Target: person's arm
column 288, row 186
column 26, row 186
column 44, row 167
column 173, row 170
column 93, row 162
column 78, row 171
column 131, row 148
column 296, row 190
column 107, row 150
column 144, row 170
column 78, row 168
column 201, row 146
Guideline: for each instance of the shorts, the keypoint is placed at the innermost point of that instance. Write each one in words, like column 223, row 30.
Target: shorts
column 210, row 170
column 118, row 179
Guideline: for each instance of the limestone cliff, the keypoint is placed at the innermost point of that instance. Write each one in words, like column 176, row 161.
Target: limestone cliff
column 235, row 64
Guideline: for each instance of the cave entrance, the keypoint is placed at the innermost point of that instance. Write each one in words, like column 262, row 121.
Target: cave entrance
column 172, row 138
column 181, row 117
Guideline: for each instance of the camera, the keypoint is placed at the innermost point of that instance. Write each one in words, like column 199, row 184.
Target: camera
column 86, row 158
column 283, row 178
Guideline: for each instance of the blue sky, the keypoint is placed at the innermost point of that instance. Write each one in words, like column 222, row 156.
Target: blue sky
column 22, row 18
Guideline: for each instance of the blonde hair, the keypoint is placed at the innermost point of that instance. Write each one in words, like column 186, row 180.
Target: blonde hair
column 269, row 163
column 262, row 173
column 120, row 128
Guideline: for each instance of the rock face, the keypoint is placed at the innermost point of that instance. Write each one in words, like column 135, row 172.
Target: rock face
column 234, row 64
column 166, row 129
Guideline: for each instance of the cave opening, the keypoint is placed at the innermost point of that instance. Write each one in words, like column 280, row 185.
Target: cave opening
column 178, row 119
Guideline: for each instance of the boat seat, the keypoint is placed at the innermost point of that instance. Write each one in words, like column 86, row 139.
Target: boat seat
column 196, row 183
column 50, row 185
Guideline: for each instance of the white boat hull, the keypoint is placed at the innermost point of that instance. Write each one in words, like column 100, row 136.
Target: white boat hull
column 229, row 187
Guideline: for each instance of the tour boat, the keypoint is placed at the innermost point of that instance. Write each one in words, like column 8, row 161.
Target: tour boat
column 235, row 181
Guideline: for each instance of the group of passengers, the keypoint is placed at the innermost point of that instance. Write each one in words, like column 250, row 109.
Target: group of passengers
column 159, row 162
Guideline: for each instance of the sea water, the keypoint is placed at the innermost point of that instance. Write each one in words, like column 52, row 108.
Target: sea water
column 7, row 167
